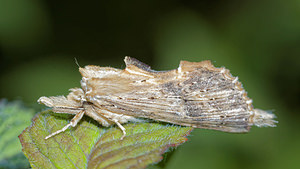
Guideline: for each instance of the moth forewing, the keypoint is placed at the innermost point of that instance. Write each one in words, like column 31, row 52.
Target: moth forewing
column 196, row 94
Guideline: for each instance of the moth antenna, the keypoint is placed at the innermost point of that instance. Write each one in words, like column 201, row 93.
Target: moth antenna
column 77, row 62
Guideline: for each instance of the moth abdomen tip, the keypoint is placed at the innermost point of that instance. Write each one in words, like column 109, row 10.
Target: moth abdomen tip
column 264, row 119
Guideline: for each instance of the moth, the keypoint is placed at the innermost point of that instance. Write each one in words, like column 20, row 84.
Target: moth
column 196, row 94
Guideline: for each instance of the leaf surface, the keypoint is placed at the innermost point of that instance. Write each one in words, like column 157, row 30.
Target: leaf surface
column 14, row 117
column 89, row 145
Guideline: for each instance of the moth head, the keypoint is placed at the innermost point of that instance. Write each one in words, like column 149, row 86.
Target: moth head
column 77, row 95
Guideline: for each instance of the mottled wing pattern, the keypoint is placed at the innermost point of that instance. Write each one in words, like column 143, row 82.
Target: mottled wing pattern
column 195, row 94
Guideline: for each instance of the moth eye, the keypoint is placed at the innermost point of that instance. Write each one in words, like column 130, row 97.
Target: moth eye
column 143, row 80
column 151, row 98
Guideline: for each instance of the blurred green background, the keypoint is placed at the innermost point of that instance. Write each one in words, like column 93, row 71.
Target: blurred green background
column 258, row 40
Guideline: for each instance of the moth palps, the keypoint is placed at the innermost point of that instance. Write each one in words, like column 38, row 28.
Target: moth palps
column 196, row 94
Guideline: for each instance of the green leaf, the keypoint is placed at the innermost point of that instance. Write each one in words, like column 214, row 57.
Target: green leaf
column 13, row 119
column 89, row 145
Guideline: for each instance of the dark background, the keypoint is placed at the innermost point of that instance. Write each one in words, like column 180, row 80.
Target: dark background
column 258, row 40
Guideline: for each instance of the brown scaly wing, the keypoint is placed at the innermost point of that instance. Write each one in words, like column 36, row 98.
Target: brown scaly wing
column 196, row 94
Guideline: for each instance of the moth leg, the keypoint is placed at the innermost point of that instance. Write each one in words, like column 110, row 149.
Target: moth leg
column 121, row 127
column 73, row 123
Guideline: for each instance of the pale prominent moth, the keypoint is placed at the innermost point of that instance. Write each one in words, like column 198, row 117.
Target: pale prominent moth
column 196, row 94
